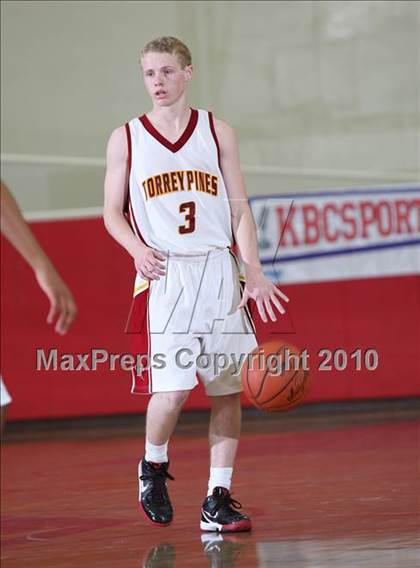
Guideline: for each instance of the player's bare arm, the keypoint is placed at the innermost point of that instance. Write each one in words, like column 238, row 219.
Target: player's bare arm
column 14, row 227
column 146, row 259
column 257, row 286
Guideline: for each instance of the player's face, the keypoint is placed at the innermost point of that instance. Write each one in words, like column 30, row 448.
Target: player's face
column 164, row 78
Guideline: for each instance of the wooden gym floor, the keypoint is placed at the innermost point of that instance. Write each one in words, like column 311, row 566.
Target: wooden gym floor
column 325, row 485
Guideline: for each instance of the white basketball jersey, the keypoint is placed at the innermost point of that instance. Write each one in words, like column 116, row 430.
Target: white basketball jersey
column 177, row 200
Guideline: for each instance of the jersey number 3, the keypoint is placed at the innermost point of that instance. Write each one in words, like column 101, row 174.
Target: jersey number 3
column 188, row 209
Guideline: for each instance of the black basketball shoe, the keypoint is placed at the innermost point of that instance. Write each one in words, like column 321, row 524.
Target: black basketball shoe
column 154, row 498
column 218, row 513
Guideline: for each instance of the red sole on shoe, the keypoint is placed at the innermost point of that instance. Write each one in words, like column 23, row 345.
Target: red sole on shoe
column 153, row 522
column 240, row 526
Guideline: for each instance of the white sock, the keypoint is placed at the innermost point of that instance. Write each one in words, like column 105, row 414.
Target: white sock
column 157, row 454
column 219, row 477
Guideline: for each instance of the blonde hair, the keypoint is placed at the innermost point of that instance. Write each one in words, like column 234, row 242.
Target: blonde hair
column 168, row 44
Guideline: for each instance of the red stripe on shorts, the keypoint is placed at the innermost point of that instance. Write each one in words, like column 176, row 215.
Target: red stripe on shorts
column 138, row 326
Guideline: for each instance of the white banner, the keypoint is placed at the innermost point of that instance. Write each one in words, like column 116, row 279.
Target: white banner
column 339, row 235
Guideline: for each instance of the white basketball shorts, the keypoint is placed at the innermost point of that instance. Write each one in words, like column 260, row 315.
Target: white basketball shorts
column 186, row 326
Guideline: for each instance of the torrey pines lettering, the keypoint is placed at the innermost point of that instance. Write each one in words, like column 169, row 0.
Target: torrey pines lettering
column 181, row 180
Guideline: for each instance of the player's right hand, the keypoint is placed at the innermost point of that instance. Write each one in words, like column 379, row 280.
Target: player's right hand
column 148, row 263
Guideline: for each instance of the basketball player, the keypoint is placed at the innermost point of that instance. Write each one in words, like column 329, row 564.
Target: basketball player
column 176, row 170
column 62, row 306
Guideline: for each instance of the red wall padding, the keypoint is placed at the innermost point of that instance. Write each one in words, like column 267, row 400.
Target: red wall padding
column 381, row 313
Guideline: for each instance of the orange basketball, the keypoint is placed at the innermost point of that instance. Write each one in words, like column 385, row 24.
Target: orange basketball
column 275, row 376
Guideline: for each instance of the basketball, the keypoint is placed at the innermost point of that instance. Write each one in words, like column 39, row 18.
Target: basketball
column 274, row 376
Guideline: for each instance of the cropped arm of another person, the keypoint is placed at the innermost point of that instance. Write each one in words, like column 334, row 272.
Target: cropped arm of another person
column 63, row 309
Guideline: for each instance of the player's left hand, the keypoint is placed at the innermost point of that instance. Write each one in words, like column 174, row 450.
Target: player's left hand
column 265, row 294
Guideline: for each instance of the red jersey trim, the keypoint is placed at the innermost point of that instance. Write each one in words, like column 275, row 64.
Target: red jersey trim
column 216, row 141
column 128, row 208
column 133, row 222
column 185, row 136
column 128, row 134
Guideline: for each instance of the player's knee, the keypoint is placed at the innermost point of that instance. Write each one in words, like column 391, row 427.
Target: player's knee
column 176, row 399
